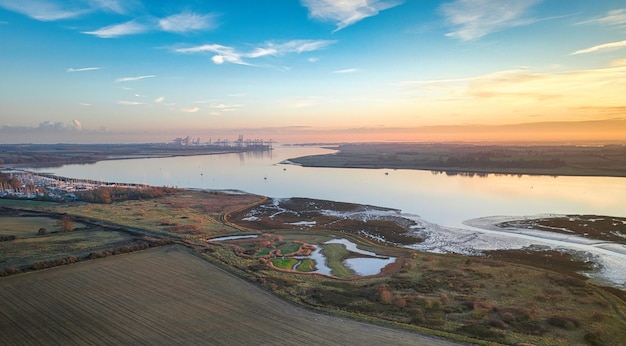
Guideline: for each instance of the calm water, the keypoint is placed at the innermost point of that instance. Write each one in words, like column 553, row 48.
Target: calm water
column 446, row 200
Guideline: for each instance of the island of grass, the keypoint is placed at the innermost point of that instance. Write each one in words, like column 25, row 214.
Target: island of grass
column 478, row 300
column 607, row 160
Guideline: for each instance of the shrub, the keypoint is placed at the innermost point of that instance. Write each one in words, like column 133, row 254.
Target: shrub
column 42, row 231
column 569, row 323
column 595, row 337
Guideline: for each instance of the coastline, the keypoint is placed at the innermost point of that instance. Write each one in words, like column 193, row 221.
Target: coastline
column 608, row 256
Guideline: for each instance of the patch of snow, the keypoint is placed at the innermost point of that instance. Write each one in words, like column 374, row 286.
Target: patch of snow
column 304, row 223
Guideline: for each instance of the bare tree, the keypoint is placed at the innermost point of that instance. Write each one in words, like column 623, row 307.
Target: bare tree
column 66, row 224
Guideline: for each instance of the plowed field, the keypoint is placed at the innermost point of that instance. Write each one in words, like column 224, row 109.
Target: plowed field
column 167, row 296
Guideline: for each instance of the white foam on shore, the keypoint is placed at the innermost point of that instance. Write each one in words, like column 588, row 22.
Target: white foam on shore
column 482, row 234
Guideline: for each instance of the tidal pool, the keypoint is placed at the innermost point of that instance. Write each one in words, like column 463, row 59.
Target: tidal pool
column 361, row 266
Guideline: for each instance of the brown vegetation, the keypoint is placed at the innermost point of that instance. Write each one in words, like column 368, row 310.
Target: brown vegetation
column 470, row 159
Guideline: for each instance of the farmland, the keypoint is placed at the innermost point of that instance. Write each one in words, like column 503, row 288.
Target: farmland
column 181, row 293
column 167, row 296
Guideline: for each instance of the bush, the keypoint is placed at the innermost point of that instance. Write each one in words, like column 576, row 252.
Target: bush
column 42, row 231
column 569, row 323
column 7, row 238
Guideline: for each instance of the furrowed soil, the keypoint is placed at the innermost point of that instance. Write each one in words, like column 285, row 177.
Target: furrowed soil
column 167, row 296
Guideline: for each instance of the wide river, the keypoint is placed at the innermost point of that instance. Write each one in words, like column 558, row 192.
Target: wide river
column 438, row 198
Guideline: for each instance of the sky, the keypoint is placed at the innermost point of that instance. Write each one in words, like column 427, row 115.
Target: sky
column 79, row 71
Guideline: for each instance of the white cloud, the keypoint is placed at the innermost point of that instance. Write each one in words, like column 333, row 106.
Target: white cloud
column 116, row 30
column 610, row 45
column 85, row 104
column 226, row 107
column 187, row 21
column 83, row 69
column 117, row 6
column 614, row 17
column 129, row 103
column 223, row 53
column 346, row 12
column 474, row 19
column 346, row 70
column 77, row 124
column 231, row 55
column 190, row 110
column 51, row 10
column 159, row 99
column 44, row 10
column 218, row 59
column 131, row 79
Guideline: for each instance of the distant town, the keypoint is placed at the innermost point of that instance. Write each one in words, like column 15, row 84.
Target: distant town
column 21, row 155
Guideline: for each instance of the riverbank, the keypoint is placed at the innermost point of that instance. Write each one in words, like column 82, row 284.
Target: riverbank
column 486, row 234
column 480, row 160
column 55, row 155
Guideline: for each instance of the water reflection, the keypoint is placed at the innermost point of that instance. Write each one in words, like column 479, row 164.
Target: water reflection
column 439, row 198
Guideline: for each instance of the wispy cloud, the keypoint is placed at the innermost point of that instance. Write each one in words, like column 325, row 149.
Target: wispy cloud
column 44, row 10
column 230, row 54
column 226, row 107
column 474, row 19
column 346, row 70
column 223, row 53
column 190, row 110
column 129, row 103
column 159, row 99
column 131, row 79
column 523, row 87
column 613, row 17
column 116, row 30
column 82, row 69
column 346, row 12
column 51, row 10
column 187, row 21
column 117, row 6
column 610, row 45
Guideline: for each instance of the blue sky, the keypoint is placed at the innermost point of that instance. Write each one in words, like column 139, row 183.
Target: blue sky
column 109, row 70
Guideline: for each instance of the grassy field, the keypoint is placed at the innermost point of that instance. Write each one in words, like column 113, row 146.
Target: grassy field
column 26, row 227
column 478, row 159
column 167, row 296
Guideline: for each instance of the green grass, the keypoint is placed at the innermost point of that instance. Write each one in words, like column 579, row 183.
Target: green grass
column 335, row 254
column 286, row 263
column 289, row 248
column 20, row 203
column 306, row 265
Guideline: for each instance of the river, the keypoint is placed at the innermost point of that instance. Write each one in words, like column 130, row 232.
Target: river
column 437, row 198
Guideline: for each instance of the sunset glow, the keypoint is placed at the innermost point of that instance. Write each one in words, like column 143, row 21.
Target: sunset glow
column 313, row 70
